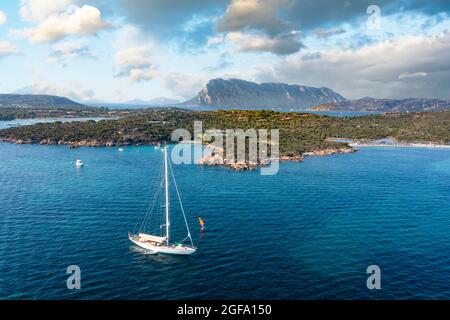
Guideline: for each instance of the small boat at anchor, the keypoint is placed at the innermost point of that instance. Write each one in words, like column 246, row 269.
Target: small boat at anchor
column 161, row 243
column 79, row 163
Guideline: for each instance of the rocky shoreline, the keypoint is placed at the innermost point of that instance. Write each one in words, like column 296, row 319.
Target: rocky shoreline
column 212, row 159
column 72, row 144
column 215, row 160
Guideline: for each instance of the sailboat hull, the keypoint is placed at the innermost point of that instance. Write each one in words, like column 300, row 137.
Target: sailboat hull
column 175, row 249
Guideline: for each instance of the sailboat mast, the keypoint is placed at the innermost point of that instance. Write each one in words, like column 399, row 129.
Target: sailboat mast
column 167, row 195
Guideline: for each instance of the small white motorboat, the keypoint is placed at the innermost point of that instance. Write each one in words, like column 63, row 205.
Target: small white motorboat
column 79, row 163
column 121, row 149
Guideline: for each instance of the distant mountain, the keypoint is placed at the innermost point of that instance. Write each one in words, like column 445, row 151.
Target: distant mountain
column 386, row 105
column 154, row 102
column 138, row 102
column 33, row 101
column 163, row 102
column 240, row 93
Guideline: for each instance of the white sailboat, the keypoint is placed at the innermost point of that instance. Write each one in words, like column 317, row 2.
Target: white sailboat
column 161, row 243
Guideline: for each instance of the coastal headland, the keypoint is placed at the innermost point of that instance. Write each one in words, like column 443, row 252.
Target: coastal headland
column 301, row 134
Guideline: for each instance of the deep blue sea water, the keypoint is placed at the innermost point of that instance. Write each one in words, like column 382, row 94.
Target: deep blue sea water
column 308, row 232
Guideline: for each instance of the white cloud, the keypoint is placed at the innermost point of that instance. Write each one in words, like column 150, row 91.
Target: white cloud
column 409, row 75
column 135, row 64
column 184, row 86
column 372, row 70
column 216, row 40
column 39, row 10
column 58, row 20
column 133, row 59
column 68, row 90
column 7, row 49
column 253, row 14
column 128, row 36
column 2, row 18
column 68, row 51
column 256, row 25
column 323, row 34
column 281, row 44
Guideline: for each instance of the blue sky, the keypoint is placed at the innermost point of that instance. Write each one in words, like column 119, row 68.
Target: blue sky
column 125, row 49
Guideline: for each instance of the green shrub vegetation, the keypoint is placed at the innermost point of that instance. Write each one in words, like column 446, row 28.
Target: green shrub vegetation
column 299, row 132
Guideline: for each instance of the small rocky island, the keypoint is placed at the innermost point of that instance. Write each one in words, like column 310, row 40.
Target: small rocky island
column 301, row 134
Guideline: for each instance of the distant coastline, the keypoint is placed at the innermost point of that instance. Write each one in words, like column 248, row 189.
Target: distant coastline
column 389, row 142
column 385, row 105
column 400, row 145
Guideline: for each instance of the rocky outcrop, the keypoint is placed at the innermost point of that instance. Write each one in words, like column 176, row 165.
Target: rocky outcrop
column 214, row 159
column 329, row 151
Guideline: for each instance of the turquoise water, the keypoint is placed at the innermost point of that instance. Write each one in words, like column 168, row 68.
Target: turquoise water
column 308, row 232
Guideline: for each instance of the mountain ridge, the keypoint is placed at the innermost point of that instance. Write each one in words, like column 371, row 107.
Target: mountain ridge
column 242, row 93
column 32, row 101
column 159, row 101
